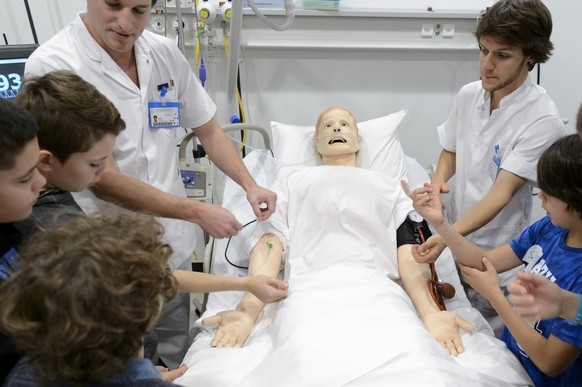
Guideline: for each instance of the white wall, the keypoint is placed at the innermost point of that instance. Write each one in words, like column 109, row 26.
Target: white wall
column 286, row 82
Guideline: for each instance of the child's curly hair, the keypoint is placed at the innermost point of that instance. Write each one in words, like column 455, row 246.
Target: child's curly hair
column 86, row 293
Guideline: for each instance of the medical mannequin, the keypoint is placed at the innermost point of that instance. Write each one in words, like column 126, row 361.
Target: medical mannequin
column 337, row 142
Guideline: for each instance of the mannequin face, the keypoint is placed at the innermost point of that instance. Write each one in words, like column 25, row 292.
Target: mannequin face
column 337, row 134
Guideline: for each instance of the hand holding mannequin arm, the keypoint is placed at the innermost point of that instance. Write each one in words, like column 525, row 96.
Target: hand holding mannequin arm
column 267, row 289
column 429, row 206
column 235, row 326
column 442, row 325
column 535, row 297
column 552, row 355
column 223, row 153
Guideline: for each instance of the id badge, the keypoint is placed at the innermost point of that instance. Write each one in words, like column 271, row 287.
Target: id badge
column 164, row 114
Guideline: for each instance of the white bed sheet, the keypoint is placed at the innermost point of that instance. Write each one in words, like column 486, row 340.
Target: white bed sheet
column 352, row 349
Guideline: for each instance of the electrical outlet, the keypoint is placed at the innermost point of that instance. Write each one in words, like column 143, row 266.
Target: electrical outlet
column 448, row 30
column 427, row 30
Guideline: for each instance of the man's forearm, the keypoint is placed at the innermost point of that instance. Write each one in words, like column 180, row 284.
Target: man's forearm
column 505, row 187
column 136, row 195
column 446, row 167
column 223, row 153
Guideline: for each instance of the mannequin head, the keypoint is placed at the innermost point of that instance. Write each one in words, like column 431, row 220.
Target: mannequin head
column 337, row 139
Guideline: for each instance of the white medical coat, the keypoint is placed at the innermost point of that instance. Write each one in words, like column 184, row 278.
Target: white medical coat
column 141, row 152
column 525, row 124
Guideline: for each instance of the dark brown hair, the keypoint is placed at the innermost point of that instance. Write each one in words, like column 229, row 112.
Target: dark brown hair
column 72, row 115
column 559, row 171
column 523, row 23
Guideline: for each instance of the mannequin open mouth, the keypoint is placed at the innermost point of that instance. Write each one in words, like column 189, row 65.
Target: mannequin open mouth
column 337, row 140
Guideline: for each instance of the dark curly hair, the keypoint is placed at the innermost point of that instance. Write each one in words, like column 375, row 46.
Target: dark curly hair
column 86, row 293
column 523, row 23
column 559, row 172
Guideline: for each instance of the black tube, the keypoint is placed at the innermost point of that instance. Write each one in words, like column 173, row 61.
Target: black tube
column 30, row 21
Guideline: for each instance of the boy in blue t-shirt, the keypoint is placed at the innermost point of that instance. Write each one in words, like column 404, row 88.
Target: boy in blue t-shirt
column 20, row 184
column 549, row 350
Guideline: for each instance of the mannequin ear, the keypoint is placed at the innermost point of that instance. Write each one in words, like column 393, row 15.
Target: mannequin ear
column 45, row 161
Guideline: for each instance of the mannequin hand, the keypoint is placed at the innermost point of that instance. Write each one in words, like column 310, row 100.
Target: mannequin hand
column 234, row 328
column 444, row 327
column 172, row 375
column 486, row 282
column 259, row 197
column 216, row 220
column 429, row 251
column 535, row 297
column 267, row 289
column 426, row 202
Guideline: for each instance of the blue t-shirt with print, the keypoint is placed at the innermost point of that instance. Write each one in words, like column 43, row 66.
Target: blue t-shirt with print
column 542, row 248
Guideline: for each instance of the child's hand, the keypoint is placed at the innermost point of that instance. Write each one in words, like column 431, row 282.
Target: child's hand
column 174, row 374
column 426, row 202
column 486, row 282
column 267, row 289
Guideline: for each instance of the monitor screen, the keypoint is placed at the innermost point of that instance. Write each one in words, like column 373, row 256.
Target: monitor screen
column 12, row 60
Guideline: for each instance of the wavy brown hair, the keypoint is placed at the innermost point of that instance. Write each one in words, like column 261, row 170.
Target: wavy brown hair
column 86, row 293
column 523, row 23
column 72, row 115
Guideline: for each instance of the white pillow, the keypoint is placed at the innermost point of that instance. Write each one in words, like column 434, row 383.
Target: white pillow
column 380, row 148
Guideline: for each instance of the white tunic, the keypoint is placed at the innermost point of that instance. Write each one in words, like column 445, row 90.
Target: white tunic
column 141, row 152
column 525, row 124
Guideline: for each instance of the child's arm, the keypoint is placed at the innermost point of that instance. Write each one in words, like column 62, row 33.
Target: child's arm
column 552, row 356
column 427, row 203
column 266, row 289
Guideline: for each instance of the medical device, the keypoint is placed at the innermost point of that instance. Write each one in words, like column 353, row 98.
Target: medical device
column 197, row 177
column 12, row 60
column 436, row 287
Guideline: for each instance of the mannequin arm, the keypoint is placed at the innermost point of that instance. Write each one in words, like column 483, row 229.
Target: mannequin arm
column 442, row 325
column 235, row 326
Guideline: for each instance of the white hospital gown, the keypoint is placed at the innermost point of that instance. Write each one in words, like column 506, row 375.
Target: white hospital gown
column 344, row 321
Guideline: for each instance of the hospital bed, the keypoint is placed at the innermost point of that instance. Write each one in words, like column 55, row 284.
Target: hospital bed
column 486, row 361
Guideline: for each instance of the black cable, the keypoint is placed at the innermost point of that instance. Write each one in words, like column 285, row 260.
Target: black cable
column 31, row 22
column 228, row 243
column 539, row 73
